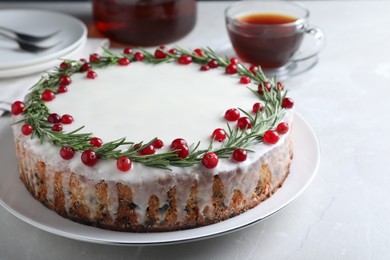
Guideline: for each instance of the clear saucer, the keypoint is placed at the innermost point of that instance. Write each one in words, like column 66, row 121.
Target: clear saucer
column 291, row 69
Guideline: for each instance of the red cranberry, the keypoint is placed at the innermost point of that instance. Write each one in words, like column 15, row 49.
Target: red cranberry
column 96, row 142
column 257, row 107
column 160, row 54
column 185, row 59
column 204, row 68
column 57, row 128
column 173, row 51
column 264, row 86
column 213, row 64
column 138, row 56
column 67, row 119
column 232, row 114
column 53, row 118
column 26, row 129
column 210, row 160
column 244, row 123
column 158, row 143
column 64, row 65
column 67, row 152
column 148, row 150
column 17, row 107
column 94, row 57
column 239, row 155
column 233, row 61
column 48, row 95
column 270, row 137
column 123, row 164
column 231, row 69
column 282, row 128
column 89, row 157
column 91, row 74
column 199, row 52
column 127, row 51
column 287, row 103
column 245, row 80
column 62, row 89
column 124, row 61
column 219, row 135
column 85, row 67
column 64, row 80
column 178, row 142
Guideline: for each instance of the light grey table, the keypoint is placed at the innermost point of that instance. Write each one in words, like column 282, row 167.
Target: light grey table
column 344, row 214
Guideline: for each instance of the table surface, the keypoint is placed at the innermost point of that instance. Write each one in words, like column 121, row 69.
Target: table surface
column 344, row 213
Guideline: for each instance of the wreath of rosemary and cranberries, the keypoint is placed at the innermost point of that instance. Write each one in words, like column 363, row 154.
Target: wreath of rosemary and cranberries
column 262, row 124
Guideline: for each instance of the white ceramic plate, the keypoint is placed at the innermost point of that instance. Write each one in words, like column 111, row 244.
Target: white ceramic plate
column 40, row 67
column 15, row 198
column 72, row 33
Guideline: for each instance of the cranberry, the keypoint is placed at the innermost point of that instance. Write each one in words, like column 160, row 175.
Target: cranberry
column 89, row 157
column 232, row 114
column 244, row 123
column 67, row 152
column 123, row 164
column 17, row 107
column 199, row 52
column 245, row 80
column 185, row 60
column 204, row 68
column 257, row 107
column 158, row 143
column 64, row 65
column 219, row 135
column 57, row 128
column 270, row 137
column 94, row 57
column 233, row 61
column 178, row 142
column 67, row 119
column 287, row 103
column 181, row 146
column 64, row 80
column 96, row 142
column 210, row 160
column 48, row 95
column 124, row 61
column 239, row 155
column 26, row 129
column 282, row 128
column 138, row 56
column 264, row 86
column 127, row 51
column 91, row 74
column 173, row 51
column 62, row 89
column 231, row 69
column 148, row 150
column 254, row 69
column 213, row 64
column 182, row 152
column 85, row 67
column 53, row 118
column 160, row 54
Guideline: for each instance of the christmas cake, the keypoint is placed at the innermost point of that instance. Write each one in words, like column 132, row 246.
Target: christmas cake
column 147, row 142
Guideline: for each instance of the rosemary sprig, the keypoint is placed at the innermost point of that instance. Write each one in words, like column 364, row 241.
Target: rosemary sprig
column 36, row 113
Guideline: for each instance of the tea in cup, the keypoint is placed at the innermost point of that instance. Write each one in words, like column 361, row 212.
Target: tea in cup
column 270, row 33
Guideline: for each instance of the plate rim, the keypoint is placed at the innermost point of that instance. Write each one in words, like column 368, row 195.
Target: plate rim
column 82, row 38
column 189, row 234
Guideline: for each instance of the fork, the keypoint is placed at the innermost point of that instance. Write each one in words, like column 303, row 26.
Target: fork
column 29, row 46
column 25, row 36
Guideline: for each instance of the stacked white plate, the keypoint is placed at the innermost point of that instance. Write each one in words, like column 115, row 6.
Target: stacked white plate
column 71, row 37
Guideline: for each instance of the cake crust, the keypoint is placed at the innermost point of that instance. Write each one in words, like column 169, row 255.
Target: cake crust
column 110, row 205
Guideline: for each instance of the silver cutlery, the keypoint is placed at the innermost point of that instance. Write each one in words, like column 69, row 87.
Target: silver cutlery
column 30, row 43
column 24, row 36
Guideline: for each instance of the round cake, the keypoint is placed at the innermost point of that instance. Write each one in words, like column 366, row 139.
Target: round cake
column 148, row 142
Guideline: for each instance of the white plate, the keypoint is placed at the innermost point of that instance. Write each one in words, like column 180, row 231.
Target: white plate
column 15, row 198
column 40, row 67
column 72, row 33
